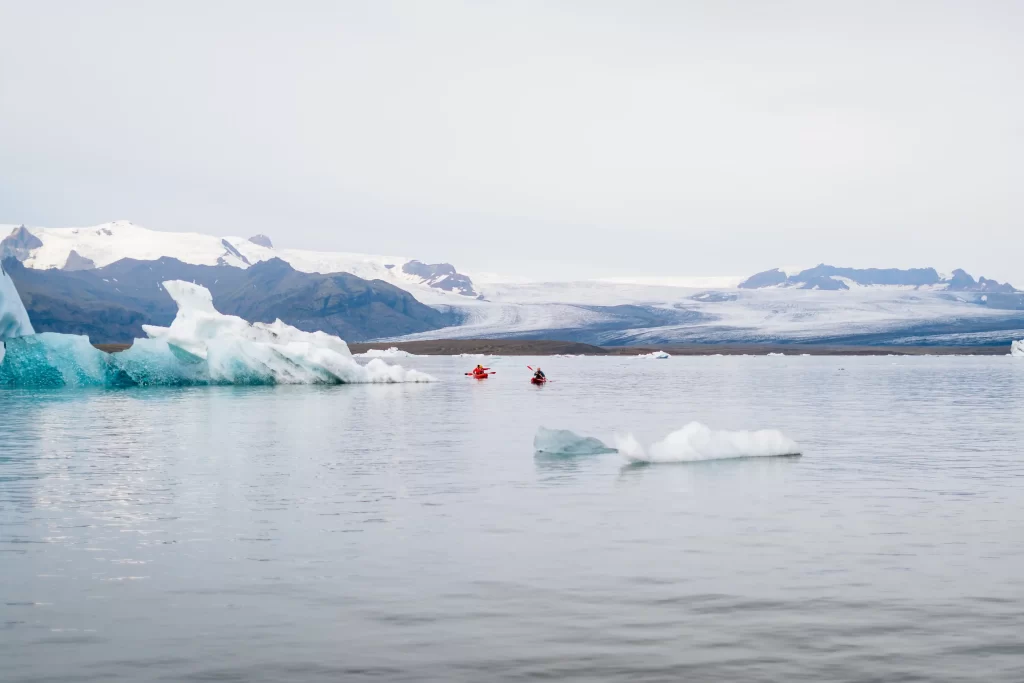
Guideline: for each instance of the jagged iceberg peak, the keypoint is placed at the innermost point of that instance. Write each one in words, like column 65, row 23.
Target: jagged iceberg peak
column 14, row 320
column 1017, row 348
column 201, row 346
column 198, row 323
column 230, row 350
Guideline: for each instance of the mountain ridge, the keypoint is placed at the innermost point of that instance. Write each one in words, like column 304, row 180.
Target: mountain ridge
column 827, row 277
column 104, row 244
column 111, row 304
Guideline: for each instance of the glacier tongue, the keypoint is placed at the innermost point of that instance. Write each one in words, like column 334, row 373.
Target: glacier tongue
column 200, row 347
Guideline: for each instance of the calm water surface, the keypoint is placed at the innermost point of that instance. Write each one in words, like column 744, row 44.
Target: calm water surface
column 409, row 532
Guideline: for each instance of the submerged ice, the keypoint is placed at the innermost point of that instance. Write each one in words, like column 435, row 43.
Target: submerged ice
column 201, row 346
column 697, row 441
column 564, row 442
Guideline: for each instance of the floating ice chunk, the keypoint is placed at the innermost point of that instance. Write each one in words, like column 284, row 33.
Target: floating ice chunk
column 201, row 346
column 393, row 352
column 660, row 355
column 1017, row 348
column 696, row 442
column 564, row 442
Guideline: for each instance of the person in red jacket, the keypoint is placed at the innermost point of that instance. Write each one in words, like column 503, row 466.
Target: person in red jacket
column 480, row 371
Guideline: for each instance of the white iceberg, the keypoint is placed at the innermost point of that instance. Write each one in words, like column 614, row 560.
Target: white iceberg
column 659, row 355
column 696, row 442
column 14, row 320
column 563, row 442
column 1017, row 349
column 393, row 352
column 202, row 346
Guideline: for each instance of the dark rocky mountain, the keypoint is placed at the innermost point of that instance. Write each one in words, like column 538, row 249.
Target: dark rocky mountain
column 18, row 244
column 111, row 304
column 262, row 240
column 963, row 282
column 826, row 277
column 78, row 262
column 441, row 276
column 766, row 278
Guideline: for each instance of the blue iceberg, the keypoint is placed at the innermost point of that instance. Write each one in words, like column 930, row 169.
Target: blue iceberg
column 201, row 347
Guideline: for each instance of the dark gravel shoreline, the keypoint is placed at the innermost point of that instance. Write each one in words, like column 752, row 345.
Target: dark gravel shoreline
column 547, row 347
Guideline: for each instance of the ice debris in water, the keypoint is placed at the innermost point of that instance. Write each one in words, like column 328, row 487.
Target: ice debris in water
column 696, row 442
column 564, row 442
column 202, row 346
column 393, row 352
column 660, row 355
column 1017, row 348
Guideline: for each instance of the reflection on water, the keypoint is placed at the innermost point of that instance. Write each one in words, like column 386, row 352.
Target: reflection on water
column 410, row 533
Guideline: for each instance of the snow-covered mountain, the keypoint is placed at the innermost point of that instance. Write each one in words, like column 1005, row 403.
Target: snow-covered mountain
column 821, row 304
column 101, row 245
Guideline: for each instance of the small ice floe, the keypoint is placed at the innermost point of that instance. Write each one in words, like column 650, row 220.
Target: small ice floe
column 392, row 352
column 697, row 442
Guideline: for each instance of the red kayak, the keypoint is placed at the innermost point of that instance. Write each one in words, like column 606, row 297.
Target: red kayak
column 480, row 375
column 537, row 380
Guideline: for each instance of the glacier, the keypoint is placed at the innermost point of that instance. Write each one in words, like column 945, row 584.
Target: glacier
column 1017, row 348
column 564, row 442
column 201, row 347
column 697, row 442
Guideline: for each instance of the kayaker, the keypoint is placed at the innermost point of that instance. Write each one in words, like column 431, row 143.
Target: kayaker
column 479, row 371
column 540, row 376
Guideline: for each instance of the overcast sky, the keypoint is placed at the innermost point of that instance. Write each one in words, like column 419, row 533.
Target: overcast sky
column 533, row 138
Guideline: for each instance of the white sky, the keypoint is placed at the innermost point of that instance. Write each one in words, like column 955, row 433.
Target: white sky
column 531, row 138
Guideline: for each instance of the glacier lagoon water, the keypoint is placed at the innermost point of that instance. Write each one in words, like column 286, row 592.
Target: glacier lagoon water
column 409, row 531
